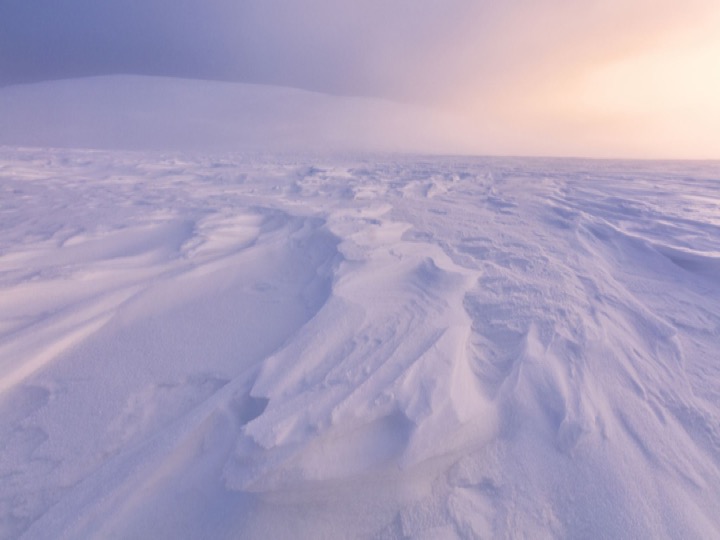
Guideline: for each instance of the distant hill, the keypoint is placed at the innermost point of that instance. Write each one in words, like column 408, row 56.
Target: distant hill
column 157, row 113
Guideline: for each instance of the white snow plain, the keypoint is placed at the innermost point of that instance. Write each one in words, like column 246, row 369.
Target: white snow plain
column 259, row 346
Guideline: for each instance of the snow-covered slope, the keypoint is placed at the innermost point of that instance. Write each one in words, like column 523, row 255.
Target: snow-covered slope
column 388, row 348
column 141, row 113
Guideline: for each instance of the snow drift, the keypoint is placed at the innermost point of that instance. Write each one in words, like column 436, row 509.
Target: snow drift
column 223, row 347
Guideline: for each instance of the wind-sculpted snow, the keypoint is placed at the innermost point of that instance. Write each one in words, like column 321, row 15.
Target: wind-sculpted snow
column 357, row 347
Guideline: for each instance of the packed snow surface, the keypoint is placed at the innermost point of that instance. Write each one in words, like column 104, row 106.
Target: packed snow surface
column 258, row 346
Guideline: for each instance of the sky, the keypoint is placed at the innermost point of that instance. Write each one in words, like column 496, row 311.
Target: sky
column 602, row 78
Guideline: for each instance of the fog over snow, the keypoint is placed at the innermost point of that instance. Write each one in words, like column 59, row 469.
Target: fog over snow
column 257, row 279
column 635, row 78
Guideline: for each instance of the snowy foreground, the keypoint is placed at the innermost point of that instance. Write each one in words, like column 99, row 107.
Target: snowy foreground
column 257, row 347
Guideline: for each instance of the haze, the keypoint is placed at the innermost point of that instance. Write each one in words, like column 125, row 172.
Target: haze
column 588, row 78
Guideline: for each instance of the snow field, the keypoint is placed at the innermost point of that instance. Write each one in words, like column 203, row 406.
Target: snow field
column 379, row 347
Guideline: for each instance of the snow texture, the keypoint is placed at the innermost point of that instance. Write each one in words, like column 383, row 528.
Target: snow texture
column 257, row 346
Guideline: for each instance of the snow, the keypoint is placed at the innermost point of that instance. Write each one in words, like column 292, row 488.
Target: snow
column 127, row 112
column 266, row 345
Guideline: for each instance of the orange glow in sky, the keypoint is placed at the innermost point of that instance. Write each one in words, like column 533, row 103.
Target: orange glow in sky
column 657, row 99
column 667, row 96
